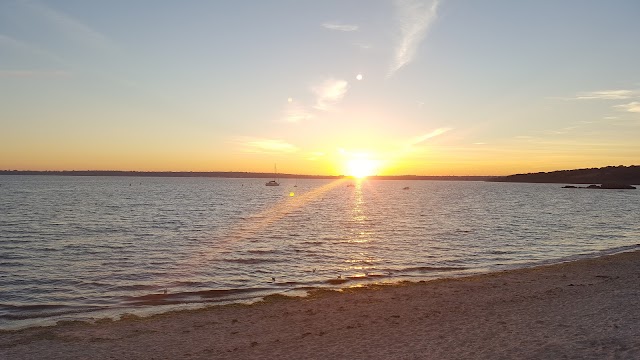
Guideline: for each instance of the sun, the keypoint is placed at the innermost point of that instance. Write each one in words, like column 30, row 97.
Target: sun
column 361, row 167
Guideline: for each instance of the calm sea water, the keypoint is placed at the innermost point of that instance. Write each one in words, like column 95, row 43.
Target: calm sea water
column 91, row 247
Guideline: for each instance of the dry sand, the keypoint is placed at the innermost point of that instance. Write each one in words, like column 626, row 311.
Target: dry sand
column 587, row 309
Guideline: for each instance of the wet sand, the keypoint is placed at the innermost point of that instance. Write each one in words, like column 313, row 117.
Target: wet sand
column 588, row 309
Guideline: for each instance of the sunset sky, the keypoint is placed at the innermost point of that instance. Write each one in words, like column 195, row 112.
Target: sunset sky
column 449, row 87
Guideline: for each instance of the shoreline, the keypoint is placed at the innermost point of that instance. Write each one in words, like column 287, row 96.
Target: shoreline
column 152, row 304
column 579, row 309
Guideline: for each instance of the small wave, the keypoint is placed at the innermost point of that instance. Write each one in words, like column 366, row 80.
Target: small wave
column 187, row 296
column 5, row 264
column 499, row 252
column 135, row 287
column 432, row 268
column 313, row 243
column 184, row 283
column 26, row 312
column 14, row 256
column 290, row 283
column 611, row 251
column 336, row 281
column 262, row 251
column 252, row 261
column 35, row 307
column 621, row 249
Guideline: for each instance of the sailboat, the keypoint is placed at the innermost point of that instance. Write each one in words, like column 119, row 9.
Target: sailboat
column 274, row 182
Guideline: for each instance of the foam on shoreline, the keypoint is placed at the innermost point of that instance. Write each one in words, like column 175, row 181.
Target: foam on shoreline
column 157, row 303
column 579, row 309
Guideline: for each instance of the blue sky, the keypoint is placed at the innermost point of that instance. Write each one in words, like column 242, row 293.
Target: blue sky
column 422, row 87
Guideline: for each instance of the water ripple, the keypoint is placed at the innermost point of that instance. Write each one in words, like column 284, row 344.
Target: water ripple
column 73, row 247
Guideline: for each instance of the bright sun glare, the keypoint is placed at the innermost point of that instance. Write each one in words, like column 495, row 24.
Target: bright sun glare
column 360, row 167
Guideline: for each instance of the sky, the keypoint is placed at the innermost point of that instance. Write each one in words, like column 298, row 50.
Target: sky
column 434, row 87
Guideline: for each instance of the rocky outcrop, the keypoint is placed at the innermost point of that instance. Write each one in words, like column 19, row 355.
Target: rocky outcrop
column 603, row 186
column 616, row 186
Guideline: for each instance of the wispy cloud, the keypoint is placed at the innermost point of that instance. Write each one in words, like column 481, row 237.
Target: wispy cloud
column 606, row 95
column 296, row 112
column 562, row 131
column 71, row 27
column 255, row 145
column 422, row 138
column 416, row 17
column 329, row 93
column 32, row 50
column 633, row 107
column 340, row 27
column 32, row 73
column 316, row 155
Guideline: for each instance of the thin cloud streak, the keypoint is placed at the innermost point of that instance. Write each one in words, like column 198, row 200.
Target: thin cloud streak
column 633, row 107
column 8, row 41
column 429, row 135
column 72, row 27
column 32, row 73
column 340, row 27
column 296, row 113
column 605, row 95
column 253, row 145
column 316, row 155
column 329, row 93
column 415, row 17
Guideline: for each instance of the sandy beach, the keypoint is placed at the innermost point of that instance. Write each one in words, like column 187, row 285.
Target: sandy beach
column 587, row 309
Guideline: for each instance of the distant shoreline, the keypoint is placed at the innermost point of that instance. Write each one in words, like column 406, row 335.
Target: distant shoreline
column 627, row 175
column 229, row 174
column 618, row 175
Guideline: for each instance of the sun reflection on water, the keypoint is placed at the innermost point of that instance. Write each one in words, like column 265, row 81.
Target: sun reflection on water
column 260, row 221
column 361, row 262
column 359, row 215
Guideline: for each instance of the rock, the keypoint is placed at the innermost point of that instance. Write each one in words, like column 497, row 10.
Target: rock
column 617, row 186
column 611, row 186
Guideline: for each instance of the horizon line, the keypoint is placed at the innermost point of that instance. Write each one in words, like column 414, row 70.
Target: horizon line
column 219, row 172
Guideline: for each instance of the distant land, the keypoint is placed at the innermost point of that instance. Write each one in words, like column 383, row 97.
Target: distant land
column 228, row 174
column 606, row 175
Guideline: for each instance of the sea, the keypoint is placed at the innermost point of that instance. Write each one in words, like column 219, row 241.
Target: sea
column 76, row 248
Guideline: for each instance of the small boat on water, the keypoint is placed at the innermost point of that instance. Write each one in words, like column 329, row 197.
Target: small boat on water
column 274, row 182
